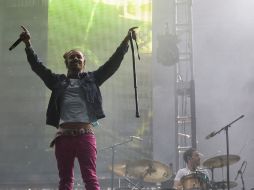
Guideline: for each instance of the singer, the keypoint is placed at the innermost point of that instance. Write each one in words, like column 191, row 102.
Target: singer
column 74, row 107
column 192, row 171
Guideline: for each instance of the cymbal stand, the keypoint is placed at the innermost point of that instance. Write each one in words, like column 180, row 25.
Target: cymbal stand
column 227, row 144
column 241, row 173
column 242, row 181
column 113, row 148
column 133, row 184
column 212, row 181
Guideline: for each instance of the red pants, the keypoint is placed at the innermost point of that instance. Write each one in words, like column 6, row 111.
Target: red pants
column 67, row 148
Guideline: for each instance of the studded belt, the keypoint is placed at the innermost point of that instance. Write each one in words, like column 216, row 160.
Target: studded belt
column 71, row 132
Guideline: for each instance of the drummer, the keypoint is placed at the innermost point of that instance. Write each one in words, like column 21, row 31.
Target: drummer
column 192, row 160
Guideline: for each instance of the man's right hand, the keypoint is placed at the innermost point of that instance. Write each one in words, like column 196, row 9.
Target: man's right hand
column 25, row 36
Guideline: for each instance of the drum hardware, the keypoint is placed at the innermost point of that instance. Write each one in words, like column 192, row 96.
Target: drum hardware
column 220, row 161
column 241, row 172
column 167, row 184
column 149, row 171
column 211, row 183
column 223, row 185
column 134, row 185
column 120, row 169
column 195, row 181
column 225, row 128
column 144, row 170
column 113, row 148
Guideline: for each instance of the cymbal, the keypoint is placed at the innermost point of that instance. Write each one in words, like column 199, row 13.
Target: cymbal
column 149, row 170
column 220, row 161
column 120, row 169
column 223, row 184
column 146, row 170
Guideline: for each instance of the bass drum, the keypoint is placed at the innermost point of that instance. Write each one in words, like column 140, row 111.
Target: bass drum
column 195, row 181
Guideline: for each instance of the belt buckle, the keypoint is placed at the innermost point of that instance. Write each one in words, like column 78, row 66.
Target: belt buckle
column 82, row 131
column 73, row 133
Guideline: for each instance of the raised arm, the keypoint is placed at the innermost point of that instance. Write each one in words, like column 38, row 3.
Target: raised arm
column 112, row 64
column 37, row 66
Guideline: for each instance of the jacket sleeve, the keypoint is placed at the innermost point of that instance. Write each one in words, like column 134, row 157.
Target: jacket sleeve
column 112, row 64
column 37, row 66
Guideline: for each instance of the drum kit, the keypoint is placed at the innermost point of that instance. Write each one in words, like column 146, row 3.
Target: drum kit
column 144, row 170
column 198, row 181
column 156, row 172
column 220, row 162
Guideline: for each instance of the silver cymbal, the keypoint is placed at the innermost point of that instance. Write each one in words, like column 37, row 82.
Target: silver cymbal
column 146, row 170
column 220, row 161
column 223, row 184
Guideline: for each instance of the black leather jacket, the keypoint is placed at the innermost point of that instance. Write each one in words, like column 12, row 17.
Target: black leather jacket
column 90, row 83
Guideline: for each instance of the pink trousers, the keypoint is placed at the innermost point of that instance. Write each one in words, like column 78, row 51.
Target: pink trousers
column 82, row 147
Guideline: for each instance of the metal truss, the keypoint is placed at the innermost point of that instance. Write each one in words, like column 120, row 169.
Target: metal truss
column 185, row 127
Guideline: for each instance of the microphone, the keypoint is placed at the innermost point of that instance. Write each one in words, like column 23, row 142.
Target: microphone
column 210, row 135
column 134, row 37
column 15, row 44
column 133, row 28
column 137, row 138
column 240, row 170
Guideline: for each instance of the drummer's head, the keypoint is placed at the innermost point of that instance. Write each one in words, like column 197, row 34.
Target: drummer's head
column 191, row 156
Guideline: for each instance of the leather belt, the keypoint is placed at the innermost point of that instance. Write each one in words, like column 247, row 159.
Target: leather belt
column 71, row 132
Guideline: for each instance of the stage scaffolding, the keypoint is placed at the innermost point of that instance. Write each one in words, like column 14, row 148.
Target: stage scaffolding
column 185, row 126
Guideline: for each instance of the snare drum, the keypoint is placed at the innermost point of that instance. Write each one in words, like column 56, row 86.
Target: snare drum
column 195, row 181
